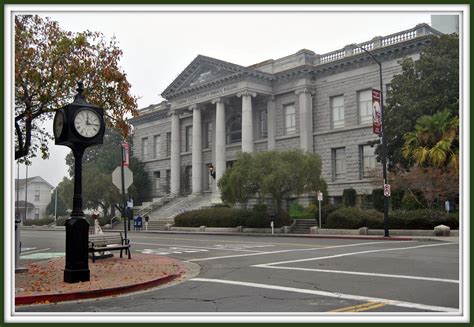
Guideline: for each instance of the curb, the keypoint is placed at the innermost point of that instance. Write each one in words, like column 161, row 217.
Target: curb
column 61, row 297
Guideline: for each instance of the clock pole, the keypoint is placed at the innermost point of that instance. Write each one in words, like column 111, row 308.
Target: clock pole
column 74, row 129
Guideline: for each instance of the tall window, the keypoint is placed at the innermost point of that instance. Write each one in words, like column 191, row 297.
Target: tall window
column 234, row 129
column 263, row 124
column 365, row 106
column 157, row 176
column 367, row 160
column 37, row 213
column 339, row 164
column 207, row 141
column 168, row 144
column 145, row 148
column 156, row 146
column 290, row 119
column 337, row 111
column 189, row 139
column 37, row 195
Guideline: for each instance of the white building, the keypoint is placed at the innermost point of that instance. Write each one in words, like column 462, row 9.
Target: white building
column 317, row 103
column 35, row 192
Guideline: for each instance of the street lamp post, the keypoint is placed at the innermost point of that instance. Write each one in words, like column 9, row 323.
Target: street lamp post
column 384, row 144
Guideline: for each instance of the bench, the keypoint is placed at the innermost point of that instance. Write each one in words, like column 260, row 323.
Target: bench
column 108, row 242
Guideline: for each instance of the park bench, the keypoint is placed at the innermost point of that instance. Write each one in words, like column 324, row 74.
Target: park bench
column 108, row 242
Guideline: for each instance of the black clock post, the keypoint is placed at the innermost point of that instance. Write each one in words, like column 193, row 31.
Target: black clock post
column 78, row 126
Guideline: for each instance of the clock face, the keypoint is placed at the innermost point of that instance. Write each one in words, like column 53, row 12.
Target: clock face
column 58, row 123
column 87, row 123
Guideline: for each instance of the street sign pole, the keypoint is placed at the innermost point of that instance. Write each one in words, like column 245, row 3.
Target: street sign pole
column 320, row 198
column 124, row 216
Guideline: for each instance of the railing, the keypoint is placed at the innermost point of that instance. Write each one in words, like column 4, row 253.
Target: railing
column 114, row 218
column 419, row 30
column 158, row 203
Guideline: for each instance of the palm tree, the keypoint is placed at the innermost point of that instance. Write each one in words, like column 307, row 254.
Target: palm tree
column 435, row 141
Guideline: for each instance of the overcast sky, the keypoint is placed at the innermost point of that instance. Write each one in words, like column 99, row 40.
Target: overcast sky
column 157, row 46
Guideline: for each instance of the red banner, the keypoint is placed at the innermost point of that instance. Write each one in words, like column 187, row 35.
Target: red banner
column 376, row 112
column 125, row 157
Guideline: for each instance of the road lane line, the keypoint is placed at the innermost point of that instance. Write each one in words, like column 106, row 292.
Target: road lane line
column 292, row 250
column 397, row 303
column 432, row 279
column 353, row 253
column 25, row 253
column 196, row 247
column 360, row 307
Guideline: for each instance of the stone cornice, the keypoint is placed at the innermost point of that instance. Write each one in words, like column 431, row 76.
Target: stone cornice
column 150, row 116
column 247, row 93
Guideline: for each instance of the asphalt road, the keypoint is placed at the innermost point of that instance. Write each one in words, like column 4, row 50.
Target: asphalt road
column 284, row 275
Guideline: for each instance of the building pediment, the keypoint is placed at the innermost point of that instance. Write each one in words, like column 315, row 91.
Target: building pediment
column 204, row 71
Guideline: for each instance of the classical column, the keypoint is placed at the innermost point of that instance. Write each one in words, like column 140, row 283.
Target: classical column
column 197, row 149
column 247, row 120
column 219, row 140
column 175, row 154
column 306, row 119
column 271, row 123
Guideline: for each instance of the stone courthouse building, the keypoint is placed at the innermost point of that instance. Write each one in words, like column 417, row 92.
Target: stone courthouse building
column 319, row 103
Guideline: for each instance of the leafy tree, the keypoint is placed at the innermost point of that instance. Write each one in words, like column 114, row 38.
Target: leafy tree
column 48, row 63
column 277, row 174
column 98, row 164
column 66, row 191
column 61, row 208
column 425, row 86
column 435, row 141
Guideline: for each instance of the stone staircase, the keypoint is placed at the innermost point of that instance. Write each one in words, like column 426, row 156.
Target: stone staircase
column 163, row 212
column 302, row 226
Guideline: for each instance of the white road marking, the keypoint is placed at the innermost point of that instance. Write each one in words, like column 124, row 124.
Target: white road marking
column 294, row 250
column 354, row 253
column 198, row 247
column 442, row 280
column 27, row 249
column 25, row 253
column 334, row 295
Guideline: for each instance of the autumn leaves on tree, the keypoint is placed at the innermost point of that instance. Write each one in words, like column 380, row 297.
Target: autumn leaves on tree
column 48, row 63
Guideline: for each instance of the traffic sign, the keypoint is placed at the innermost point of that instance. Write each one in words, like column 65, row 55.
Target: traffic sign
column 117, row 178
column 386, row 189
column 320, row 196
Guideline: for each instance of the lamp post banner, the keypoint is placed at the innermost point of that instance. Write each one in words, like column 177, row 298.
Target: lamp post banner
column 376, row 112
column 126, row 158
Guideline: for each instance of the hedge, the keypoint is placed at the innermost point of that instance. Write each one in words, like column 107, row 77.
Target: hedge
column 38, row 222
column 353, row 218
column 230, row 217
column 325, row 211
column 349, row 197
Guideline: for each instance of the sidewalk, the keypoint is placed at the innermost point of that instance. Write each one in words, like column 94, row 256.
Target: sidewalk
column 43, row 282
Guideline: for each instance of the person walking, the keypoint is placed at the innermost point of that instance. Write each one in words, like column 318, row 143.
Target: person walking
column 146, row 222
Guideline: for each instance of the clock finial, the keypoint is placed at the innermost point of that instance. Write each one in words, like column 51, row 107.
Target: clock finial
column 80, row 91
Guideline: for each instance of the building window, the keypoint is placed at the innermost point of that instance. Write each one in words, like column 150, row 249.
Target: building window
column 207, row 141
column 234, row 130
column 189, row 139
column 337, row 111
column 144, row 148
column 339, row 164
column 290, row 119
column 37, row 213
column 263, row 124
column 37, row 195
column 156, row 146
column 365, row 106
column 168, row 144
column 156, row 181
column 367, row 160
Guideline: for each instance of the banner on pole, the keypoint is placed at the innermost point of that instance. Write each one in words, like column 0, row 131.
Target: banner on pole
column 376, row 112
column 126, row 158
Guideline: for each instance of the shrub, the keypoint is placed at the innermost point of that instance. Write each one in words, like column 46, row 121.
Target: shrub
column 396, row 197
column 296, row 210
column 325, row 211
column 378, row 199
column 349, row 197
column 282, row 219
column 421, row 219
column 354, row 218
column 311, row 209
column 38, row 222
column 413, row 201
